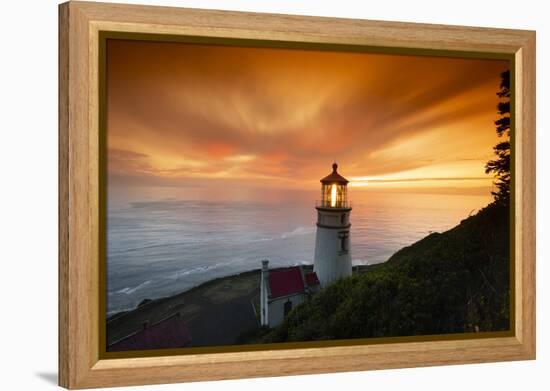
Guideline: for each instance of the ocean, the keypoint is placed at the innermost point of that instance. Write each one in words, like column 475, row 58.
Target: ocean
column 158, row 246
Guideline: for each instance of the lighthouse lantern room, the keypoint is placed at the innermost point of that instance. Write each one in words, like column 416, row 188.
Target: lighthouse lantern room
column 332, row 242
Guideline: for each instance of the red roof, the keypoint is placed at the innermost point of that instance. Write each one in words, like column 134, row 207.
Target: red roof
column 311, row 279
column 334, row 177
column 286, row 282
column 168, row 333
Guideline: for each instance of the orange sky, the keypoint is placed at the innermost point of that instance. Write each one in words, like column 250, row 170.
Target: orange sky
column 200, row 115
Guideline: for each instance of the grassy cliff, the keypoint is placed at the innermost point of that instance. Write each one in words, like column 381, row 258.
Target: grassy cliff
column 451, row 282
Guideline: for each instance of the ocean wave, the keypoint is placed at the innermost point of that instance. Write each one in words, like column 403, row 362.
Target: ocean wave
column 165, row 245
column 201, row 269
column 185, row 272
column 268, row 239
column 300, row 262
column 131, row 290
column 117, row 310
column 212, row 238
column 298, row 232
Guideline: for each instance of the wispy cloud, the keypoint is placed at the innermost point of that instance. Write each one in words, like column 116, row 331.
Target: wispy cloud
column 180, row 112
column 431, row 179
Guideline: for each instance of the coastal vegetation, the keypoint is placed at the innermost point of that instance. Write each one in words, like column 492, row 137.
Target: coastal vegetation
column 452, row 282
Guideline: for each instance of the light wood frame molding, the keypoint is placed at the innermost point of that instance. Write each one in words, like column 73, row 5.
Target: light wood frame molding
column 80, row 364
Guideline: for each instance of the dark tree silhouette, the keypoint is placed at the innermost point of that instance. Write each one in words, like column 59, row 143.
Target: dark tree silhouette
column 501, row 165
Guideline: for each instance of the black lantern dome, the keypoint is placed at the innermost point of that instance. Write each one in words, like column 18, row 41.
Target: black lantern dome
column 334, row 177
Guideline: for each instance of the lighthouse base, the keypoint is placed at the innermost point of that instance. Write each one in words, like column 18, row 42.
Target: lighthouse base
column 332, row 254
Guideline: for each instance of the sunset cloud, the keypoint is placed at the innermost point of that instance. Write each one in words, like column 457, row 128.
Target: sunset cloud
column 180, row 112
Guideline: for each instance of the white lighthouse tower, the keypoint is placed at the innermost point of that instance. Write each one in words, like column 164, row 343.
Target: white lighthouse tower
column 332, row 241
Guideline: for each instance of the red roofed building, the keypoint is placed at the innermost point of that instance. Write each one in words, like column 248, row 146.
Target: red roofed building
column 283, row 289
column 312, row 281
column 285, row 282
column 170, row 332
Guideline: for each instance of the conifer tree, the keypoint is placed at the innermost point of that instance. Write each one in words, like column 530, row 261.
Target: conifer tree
column 500, row 166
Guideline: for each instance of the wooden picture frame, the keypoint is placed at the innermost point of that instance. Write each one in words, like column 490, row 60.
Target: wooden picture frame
column 81, row 364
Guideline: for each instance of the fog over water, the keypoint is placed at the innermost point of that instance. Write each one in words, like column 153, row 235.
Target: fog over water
column 159, row 244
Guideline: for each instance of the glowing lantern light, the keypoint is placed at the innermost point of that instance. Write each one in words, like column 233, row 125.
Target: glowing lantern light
column 333, row 196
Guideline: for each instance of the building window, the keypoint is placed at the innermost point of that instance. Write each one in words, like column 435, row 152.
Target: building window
column 344, row 241
column 288, row 307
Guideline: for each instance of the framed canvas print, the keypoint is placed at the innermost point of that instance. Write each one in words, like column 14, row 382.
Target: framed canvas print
column 247, row 195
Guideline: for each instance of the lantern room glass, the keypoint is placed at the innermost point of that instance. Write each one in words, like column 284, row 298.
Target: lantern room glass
column 334, row 195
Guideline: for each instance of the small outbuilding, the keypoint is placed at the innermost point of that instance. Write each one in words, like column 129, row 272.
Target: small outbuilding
column 283, row 289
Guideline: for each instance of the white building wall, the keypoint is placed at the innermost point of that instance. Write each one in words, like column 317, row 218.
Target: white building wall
column 332, row 262
column 277, row 308
column 264, row 292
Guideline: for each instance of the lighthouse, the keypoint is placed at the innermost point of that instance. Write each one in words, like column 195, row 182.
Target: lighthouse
column 332, row 242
